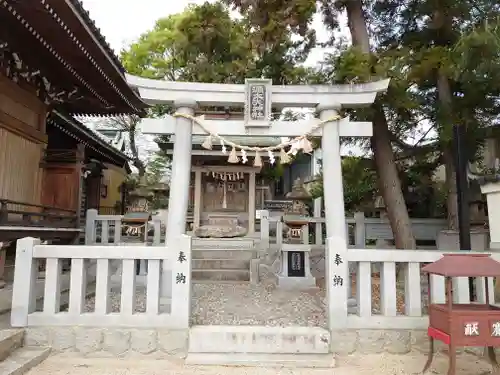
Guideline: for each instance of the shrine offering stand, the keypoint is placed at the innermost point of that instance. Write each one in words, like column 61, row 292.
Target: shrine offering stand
column 459, row 324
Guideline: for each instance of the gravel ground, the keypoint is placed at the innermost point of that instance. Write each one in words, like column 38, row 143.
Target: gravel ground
column 219, row 303
column 243, row 304
column 381, row 364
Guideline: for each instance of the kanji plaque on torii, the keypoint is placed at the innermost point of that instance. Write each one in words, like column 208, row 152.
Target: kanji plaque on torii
column 258, row 97
column 258, row 102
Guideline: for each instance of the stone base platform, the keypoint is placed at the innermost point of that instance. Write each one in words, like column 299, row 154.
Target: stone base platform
column 262, row 360
column 258, row 339
column 297, row 283
column 164, row 344
column 260, row 346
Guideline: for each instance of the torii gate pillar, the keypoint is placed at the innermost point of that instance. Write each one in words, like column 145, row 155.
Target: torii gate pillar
column 332, row 173
column 178, row 200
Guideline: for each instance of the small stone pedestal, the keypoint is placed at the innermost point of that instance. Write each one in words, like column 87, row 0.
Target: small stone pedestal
column 295, row 267
column 450, row 240
column 492, row 191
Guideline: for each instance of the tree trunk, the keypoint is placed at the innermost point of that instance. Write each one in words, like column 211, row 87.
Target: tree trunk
column 357, row 25
column 451, row 188
column 445, row 102
column 138, row 163
column 389, row 182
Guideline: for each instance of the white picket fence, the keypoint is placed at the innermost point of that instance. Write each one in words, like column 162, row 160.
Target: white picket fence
column 410, row 282
column 408, row 285
column 92, row 264
column 106, row 230
column 30, row 251
column 364, row 228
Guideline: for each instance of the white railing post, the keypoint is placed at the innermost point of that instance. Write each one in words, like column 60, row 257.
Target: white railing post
column 359, row 230
column 264, row 229
column 117, row 233
column 25, row 276
column 157, row 231
column 318, row 232
column 305, row 234
column 90, row 227
column 337, row 280
column 279, row 232
column 181, row 281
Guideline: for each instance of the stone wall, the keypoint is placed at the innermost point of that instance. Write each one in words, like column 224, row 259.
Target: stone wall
column 377, row 341
column 110, row 342
column 158, row 344
column 366, row 341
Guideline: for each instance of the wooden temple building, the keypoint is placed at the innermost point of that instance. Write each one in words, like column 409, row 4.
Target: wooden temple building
column 54, row 64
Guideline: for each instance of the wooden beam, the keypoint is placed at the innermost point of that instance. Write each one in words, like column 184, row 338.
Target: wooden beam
column 21, row 129
column 166, row 125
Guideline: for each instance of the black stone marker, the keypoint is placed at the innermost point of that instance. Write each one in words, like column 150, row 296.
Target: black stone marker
column 296, row 264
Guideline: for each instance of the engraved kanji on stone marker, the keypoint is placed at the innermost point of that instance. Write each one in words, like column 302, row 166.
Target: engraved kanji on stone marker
column 338, row 260
column 257, row 102
column 182, row 257
column 296, row 261
column 180, row 278
column 338, row 281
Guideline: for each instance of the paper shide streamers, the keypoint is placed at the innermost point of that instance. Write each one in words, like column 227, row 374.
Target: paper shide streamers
column 295, row 145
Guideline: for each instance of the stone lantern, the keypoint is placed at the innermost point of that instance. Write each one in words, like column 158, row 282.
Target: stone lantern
column 296, row 216
column 299, row 196
column 380, row 208
column 161, row 188
column 137, row 216
column 139, row 198
column 295, row 264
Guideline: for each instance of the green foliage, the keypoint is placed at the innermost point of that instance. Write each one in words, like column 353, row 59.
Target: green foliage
column 157, row 168
column 361, row 189
column 204, row 44
column 413, row 43
column 360, row 184
column 272, row 172
column 280, row 36
column 200, row 44
column 457, row 39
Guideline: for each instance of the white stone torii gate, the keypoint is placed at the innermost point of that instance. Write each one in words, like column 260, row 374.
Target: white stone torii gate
column 327, row 99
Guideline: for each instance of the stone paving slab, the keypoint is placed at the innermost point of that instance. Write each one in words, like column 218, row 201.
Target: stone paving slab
column 384, row 364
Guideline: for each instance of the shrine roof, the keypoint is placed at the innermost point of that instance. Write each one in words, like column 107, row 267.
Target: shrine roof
column 463, row 265
column 54, row 47
column 103, row 150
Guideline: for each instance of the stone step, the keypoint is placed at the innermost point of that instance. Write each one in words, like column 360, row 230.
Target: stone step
column 259, row 340
column 223, row 254
column 227, row 282
column 23, row 360
column 223, row 243
column 220, row 274
column 223, row 264
column 262, row 360
column 10, row 340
